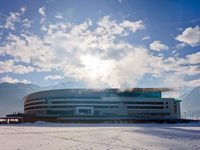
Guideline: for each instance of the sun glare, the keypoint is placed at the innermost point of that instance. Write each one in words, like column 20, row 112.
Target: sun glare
column 91, row 63
column 95, row 67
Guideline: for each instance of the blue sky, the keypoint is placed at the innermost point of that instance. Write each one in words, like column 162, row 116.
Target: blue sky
column 125, row 43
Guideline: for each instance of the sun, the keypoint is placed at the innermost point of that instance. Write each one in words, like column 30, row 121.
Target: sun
column 95, row 67
column 92, row 63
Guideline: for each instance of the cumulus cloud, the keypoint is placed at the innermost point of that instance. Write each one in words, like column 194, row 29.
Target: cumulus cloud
column 9, row 66
column 122, row 73
column 41, row 11
column 6, row 66
column 174, row 64
column 95, row 53
column 9, row 79
column 191, row 70
column 193, row 58
column 53, row 77
column 174, row 71
column 113, row 72
column 19, row 69
column 108, row 26
column 177, row 81
column 158, row 46
column 27, row 48
column 190, row 36
column 133, row 26
column 71, row 49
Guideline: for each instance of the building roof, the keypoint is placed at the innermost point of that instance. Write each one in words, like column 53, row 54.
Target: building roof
column 148, row 89
column 91, row 92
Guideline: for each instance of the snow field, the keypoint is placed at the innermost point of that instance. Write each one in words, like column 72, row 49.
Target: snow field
column 54, row 136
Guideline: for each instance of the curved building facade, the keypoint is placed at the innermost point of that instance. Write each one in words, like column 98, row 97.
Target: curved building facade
column 102, row 104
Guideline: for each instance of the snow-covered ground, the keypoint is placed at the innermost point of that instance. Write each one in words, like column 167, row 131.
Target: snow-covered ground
column 51, row 136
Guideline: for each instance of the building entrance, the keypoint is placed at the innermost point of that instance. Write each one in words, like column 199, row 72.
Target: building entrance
column 84, row 111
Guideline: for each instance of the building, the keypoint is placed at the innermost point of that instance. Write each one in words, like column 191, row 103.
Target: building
column 102, row 104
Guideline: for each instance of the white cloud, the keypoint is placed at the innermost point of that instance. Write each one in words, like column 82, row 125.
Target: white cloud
column 95, row 53
column 133, row 26
column 177, row 81
column 191, row 70
column 27, row 49
column 6, row 66
column 174, row 71
column 181, row 45
column 51, row 28
column 190, row 36
column 41, row 11
column 54, row 77
column 16, row 18
column 194, row 83
column 9, row 66
column 58, row 16
column 19, row 69
column 108, row 27
column 174, row 51
column 122, row 73
column 174, row 80
column 13, row 18
column 193, row 58
column 112, row 72
column 93, row 56
column 26, row 23
column 146, row 37
column 158, row 46
column 23, row 9
column 8, row 79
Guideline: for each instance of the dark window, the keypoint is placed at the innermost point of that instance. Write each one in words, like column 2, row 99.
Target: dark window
column 148, row 103
column 145, row 107
column 106, row 107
